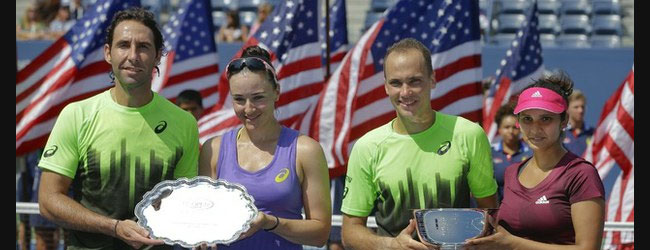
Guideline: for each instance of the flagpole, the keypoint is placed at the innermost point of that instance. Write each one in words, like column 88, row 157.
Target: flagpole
column 327, row 39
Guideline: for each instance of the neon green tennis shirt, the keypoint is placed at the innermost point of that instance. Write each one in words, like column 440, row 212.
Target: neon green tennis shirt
column 115, row 153
column 436, row 168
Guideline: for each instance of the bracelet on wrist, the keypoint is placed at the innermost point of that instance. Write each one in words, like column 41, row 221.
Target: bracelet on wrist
column 115, row 227
column 277, row 222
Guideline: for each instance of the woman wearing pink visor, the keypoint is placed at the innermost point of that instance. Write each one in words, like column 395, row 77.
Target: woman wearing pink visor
column 554, row 200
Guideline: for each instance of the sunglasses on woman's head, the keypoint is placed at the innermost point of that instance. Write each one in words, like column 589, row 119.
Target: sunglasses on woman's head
column 252, row 63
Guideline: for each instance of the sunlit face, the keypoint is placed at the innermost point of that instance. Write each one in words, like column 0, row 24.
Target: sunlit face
column 540, row 128
column 253, row 98
column 507, row 129
column 407, row 84
column 576, row 110
column 132, row 55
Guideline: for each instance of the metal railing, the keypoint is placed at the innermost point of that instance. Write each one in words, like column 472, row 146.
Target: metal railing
column 337, row 220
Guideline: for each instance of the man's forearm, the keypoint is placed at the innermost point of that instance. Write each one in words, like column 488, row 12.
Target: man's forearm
column 488, row 202
column 360, row 237
column 70, row 214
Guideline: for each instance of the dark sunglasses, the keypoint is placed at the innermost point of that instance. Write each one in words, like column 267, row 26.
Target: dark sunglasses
column 252, row 63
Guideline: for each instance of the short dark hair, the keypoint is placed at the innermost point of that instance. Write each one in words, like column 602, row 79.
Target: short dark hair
column 189, row 95
column 259, row 52
column 503, row 112
column 410, row 43
column 559, row 83
column 140, row 15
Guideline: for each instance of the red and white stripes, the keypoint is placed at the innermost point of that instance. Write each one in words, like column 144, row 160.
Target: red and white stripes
column 613, row 142
column 50, row 82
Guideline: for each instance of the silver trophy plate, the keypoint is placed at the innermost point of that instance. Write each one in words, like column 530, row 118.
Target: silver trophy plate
column 448, row 228
column 191, row 212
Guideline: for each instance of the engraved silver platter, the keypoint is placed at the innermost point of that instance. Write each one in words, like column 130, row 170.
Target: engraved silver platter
column 191, row 212
column 448, row 228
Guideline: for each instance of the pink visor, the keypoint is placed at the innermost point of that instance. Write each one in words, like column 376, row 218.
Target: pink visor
column 540, row 98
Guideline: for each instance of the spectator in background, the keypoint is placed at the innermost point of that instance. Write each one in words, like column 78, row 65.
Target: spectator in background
column 24, row 179
column 263, row 11
column 511, row 149
column 486, row 83
column 233, row 31
column 190, row 100
column 46, row 11
column 61, row 24
column 578, row 135
column 76, row 9
column 47, row 234
column 30, row 27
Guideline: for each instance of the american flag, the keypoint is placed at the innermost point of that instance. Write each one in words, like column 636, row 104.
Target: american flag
column 354, row 100
column 338, row 35
column 613, row 142
column 71, row 69
column 191, row 62
column 522, row 65
column 290, row 34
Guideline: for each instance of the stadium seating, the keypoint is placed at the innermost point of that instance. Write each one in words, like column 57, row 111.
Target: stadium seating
column 548, row 7
column 503, row 39
column 600, row 7
column 218, row 19
column 547, row 40
column 548, row 24
column 607, row 25
column 514, row 6
column 223, row 5
column 606, row 41
column 573, row 41
column 575, row 7
column 249, row 5
column 575, row 24
column 247, row 17
column 381, row 5
column 510, row 23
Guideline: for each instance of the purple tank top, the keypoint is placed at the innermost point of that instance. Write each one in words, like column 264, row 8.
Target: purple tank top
column 276, row 187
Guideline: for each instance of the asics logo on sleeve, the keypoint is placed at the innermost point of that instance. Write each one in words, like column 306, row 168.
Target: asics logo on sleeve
column 162, row 125
column 444, row 147
column 50, row 152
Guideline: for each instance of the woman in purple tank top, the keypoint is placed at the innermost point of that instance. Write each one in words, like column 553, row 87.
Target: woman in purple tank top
column 283, row 170
column 554, row 200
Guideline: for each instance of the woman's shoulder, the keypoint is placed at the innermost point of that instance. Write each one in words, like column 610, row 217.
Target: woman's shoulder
column 573, row 162
column 215, row 142
column 307, row 144
column 212, row 144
